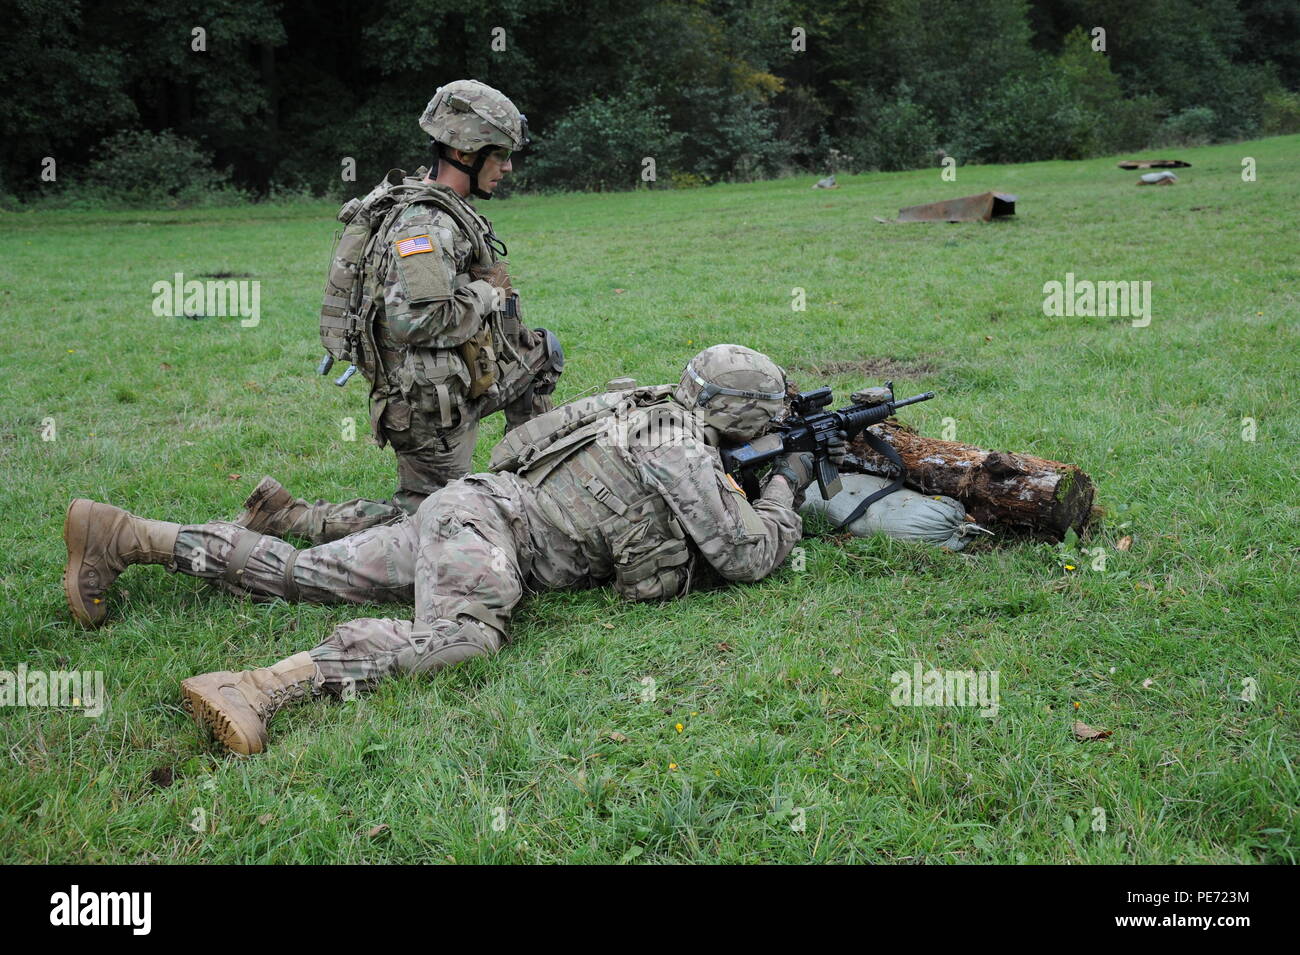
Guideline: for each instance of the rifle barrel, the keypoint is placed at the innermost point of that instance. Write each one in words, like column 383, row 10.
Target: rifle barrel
column 914, row 399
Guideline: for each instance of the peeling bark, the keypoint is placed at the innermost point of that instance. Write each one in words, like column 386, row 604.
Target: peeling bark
column 1012, row 492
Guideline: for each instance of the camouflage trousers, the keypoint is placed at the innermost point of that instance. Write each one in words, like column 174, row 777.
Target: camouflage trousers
column 463, row 559
column 429, row 457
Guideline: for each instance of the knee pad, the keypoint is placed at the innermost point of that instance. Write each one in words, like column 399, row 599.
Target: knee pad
column 552, row 365
column 444, row 643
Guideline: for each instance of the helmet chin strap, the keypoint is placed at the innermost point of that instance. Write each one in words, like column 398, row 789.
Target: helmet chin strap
column 471, row 171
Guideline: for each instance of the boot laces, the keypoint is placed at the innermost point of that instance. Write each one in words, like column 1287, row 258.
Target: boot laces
column 279, row 697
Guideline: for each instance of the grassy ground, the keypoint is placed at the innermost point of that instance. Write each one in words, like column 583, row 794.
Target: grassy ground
column 782, row 689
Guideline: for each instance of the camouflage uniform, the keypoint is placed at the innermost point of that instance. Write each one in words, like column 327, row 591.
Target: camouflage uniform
column 634, row 512
column 423, row 408
column 439, row 285
column 626, row 488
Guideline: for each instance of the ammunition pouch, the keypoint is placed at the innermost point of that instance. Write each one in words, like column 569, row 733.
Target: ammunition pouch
column 653, row 570
column 481, row 361
column 652, row 558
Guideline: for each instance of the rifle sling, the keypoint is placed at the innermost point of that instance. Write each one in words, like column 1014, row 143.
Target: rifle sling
column 885, row 450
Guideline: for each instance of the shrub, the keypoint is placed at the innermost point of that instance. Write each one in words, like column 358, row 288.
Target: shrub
column 1127, row 124
column 144, row 168
column 892, row 134
column 1194, row 126
column 600, row 144
column 1112, row 122
column 1028, row 117
column 727, row 134
column 1281, row 113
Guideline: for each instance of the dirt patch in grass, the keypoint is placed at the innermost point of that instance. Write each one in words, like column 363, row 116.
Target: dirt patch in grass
column 162, row 776
column 870, row 368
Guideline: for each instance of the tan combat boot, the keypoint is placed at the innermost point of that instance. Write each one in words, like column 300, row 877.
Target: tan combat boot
column 271, row 509
column 235, row 707
column 102, row 542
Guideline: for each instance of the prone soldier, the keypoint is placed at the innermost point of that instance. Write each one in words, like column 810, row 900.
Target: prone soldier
column 625, row 487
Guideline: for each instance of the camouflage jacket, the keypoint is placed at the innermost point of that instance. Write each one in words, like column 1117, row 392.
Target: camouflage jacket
column 431, row 303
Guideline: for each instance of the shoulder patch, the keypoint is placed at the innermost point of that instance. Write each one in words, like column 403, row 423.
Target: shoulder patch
column 413, row 245
column 422, row 279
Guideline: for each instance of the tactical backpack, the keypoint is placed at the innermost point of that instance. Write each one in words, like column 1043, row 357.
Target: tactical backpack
column 348, row 310
column 534, row 448
column 646, row 567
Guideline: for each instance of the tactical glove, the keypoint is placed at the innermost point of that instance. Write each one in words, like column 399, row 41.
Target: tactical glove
column 837, row 447
column 797, row 468
column 495, row 274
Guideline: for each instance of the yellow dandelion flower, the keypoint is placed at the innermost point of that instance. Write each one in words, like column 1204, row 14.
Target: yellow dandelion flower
column 680, row 727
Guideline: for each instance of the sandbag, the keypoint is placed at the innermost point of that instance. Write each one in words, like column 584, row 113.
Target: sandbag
column 905, row 514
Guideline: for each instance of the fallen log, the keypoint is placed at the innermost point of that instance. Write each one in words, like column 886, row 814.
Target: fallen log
column 1018, row 493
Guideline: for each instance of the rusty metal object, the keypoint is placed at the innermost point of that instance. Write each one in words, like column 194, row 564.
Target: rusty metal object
column 981, row 208
column 1154, row 164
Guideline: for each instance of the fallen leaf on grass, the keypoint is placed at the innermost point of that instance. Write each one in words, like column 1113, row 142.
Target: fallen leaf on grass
column 615, row 736
column 1084, row 732
column 265, row 817
column 1146, row 684
column 234, row 477
column 377, row 830
column 1125, row 543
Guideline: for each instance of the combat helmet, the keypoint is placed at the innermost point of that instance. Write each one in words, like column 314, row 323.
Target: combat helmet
column 469, row 116
column 733, row 389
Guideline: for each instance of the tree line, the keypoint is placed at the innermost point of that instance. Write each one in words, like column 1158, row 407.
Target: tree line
column 131, row 101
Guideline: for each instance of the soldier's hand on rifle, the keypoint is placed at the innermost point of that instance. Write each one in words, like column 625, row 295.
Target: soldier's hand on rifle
column 837, row 448
column 798, row 468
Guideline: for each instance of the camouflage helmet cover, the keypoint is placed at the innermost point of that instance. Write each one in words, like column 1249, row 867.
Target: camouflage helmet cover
column 733, row 389
column 468, row 115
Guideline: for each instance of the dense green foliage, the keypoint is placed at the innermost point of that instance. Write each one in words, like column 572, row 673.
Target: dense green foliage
column 713, row 90
column 781, row 688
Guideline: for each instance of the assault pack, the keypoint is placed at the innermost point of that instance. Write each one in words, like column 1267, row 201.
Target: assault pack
column 535, row 448
column 646, row 566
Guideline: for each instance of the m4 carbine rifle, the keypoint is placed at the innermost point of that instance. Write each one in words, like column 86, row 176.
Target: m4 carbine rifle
column 810, row 427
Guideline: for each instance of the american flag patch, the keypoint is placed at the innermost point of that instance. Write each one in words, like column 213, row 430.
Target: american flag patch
column 416, row 243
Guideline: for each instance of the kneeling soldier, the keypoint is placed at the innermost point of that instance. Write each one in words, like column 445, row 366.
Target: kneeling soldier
column 420, row 299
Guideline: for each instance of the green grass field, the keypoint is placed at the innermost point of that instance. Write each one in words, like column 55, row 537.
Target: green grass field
column 547, row 752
